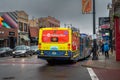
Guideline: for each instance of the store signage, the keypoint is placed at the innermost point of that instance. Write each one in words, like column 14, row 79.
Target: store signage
column 1, row 32
column 104, row 20
column 11, row 33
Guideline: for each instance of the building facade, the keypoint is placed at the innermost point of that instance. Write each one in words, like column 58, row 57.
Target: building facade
column 8, row 30
column 36, row 24
column 115, row 23
column 114, row 10
column 23, row 31
column 8, row 37
column 17, row 22
column 34, row 32
column 48, row 22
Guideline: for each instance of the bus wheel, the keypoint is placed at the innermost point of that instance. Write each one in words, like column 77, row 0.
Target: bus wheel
column 73, row 61
column 50, row 61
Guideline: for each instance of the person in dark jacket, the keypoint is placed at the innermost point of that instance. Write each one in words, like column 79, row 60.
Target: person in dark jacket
column 106, row 50
column 102, row 48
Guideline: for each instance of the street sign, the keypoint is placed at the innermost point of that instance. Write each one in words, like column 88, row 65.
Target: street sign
column 104, row 26
column 104, row 20
column 94, row 36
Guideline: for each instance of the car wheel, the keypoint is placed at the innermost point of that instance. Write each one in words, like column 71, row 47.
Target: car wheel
column 25, row 55
column 4, row 55
column 51, row 62
column 14, row 56
column 30, row 54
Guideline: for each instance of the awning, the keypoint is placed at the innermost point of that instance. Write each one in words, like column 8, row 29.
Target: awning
column 25, row 38
column 104, row 26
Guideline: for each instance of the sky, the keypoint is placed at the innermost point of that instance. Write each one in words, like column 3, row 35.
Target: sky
column 67, row 11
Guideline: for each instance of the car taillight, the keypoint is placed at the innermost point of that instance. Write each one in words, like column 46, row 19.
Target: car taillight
column 68, row 46
column 39, row 45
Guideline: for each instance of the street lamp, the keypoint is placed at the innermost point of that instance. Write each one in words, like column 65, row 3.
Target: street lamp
column 111, row 12
column 95, row 56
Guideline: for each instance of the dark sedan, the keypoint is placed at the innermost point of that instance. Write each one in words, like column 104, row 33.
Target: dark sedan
column 5, row 51
column 34, row 49
column 22, row 51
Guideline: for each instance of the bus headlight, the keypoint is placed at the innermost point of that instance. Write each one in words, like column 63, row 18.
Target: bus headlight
column 42, row 53
column 66, row 53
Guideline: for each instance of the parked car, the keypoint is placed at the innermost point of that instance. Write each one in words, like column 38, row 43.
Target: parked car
column 5, row 51
column 34, row 49
column 22, row 51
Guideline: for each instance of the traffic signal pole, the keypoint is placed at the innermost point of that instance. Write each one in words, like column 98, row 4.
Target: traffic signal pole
column 95, row 56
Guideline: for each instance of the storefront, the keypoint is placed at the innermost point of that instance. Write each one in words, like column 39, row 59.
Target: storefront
column 117, row 38
column 34, row 31
column 24, row 39
column 8, row 37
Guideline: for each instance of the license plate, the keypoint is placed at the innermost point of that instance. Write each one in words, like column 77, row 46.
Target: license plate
column 54, row 53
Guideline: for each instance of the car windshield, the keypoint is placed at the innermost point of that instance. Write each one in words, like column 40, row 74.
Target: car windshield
column 2, row 49
column 34, row 47
column 20, row 48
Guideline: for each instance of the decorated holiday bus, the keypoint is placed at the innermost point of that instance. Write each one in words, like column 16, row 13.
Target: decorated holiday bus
column 59, row 44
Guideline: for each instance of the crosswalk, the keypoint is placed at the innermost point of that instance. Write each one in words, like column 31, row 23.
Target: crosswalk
column 92, row 74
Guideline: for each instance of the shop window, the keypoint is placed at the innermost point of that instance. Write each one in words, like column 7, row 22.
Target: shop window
column 25, row 27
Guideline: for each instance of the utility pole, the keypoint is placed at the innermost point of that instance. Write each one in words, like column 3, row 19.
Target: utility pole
column 95, row 56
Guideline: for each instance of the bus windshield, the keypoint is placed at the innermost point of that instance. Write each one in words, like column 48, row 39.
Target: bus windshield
column 59, row 36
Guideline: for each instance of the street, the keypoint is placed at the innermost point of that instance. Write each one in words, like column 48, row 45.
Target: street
column 52, row 40
column 31, row 68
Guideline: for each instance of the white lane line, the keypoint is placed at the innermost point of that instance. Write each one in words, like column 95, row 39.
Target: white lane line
column 92, row 74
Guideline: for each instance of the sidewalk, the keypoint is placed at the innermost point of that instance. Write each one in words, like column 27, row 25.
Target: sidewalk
column 110, row 63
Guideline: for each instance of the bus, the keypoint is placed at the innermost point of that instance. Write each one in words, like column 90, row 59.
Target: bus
column 59, row 44
column 85, row 45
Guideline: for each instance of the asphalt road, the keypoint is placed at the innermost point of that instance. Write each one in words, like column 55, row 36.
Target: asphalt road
column 31, row 68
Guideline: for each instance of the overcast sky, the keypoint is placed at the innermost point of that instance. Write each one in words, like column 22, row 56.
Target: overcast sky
column 67, row 11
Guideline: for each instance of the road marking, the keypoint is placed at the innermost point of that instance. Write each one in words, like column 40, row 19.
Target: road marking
column 92, row 74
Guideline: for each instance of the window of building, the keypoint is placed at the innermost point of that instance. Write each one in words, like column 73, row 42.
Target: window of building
column 25, row 27
column 20, row 26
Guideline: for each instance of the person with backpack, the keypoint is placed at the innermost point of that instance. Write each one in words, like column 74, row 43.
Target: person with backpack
column 106, row 50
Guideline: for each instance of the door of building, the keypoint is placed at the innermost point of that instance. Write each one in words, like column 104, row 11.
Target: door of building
column 12, row 42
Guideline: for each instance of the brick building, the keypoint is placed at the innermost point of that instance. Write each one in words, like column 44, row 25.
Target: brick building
column 48, row 22
column 34, row 31
column 33, row 22
column 17, row 22
column 36, row 24
column 8, row 37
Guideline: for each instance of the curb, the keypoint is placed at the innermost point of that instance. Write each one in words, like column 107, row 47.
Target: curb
column 101, row 66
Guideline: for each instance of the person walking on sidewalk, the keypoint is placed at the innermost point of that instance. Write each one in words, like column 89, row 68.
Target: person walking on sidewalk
column 106, row 50
column 102, row 49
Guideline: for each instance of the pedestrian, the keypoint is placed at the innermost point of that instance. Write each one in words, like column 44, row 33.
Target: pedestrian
column 102, row 48
column 106, row 50
column 97, row 49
